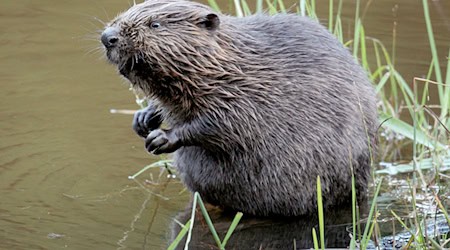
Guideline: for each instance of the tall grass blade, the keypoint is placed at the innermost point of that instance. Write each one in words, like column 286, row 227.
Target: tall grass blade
column 419, row 233
column 191, row 226
column 208, row 220
column 444, row 211
column 431, row 39
column 180, row 236
column 303, row 7
column 282, row 7
column 233, row 226
column 394, row 43
column 403, row 224
column 447, row 74
column 259, row 6
column 408, row 95
column 338, row 30
column 354, row 205
column 354, row 208
column 372, row 226
column 357, row 29
column 275, row 4
column 382, row 82
column 445, row 103
column 315, row 241
column 435, row 244
column 214, row 5
column 246, row 9
column 313, row 8
column 237, row 6
column 443, row 91
column 356, row 38
column 339, row 11
column 272, row 8
column 377, row 55
column 364, row 61
column 366, row 235
column 320, row 210
column 330, row 16
column 157, row 164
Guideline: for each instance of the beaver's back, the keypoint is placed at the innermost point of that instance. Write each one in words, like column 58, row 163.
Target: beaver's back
column 286, row 49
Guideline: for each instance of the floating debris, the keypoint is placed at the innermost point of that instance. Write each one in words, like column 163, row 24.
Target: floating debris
column 53, row 236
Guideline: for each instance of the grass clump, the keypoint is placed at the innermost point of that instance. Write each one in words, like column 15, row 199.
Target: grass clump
column 187, row 228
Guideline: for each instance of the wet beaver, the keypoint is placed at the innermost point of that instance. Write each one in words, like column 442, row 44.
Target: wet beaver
column 257, row 107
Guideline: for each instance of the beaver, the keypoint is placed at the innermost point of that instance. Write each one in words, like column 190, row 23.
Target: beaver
column 256, row 107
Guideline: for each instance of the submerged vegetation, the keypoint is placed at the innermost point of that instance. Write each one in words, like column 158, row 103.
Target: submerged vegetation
column 406, row 111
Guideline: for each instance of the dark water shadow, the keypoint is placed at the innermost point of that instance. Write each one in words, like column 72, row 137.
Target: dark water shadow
column 267, row 233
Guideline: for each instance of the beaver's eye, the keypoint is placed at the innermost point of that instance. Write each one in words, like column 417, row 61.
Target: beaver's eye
column 155, row 25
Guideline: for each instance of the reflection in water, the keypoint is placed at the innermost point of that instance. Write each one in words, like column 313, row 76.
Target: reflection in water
column 296, row 233
column 268, row 233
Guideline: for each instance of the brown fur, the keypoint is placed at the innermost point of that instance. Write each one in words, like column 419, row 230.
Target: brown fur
column 258, row 106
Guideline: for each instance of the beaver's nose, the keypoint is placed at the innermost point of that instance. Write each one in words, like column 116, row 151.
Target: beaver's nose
column 110, row 37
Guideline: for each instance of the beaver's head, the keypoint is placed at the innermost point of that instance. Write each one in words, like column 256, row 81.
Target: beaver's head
column 161, row 41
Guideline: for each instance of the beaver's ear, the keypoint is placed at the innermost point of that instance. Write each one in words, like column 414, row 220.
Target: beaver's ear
column 210, row 22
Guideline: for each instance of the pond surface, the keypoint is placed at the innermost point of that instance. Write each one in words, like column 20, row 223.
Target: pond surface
column 65, row 159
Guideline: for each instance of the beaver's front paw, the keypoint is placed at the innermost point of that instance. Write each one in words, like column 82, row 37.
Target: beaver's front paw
column 162, row 141
column 146, row 120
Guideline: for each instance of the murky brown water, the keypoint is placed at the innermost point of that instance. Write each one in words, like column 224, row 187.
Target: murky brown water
column 64, row 159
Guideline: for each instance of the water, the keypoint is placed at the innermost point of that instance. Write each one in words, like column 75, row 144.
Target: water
column 64, row 159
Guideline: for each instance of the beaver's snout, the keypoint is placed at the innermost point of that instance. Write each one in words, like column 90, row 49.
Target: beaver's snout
column 110, row 37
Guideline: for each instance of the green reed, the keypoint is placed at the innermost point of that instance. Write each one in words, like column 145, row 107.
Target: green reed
column 321, row 218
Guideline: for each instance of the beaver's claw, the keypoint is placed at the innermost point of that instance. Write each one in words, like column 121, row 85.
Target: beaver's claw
column 146, row 120
column 162, row 141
